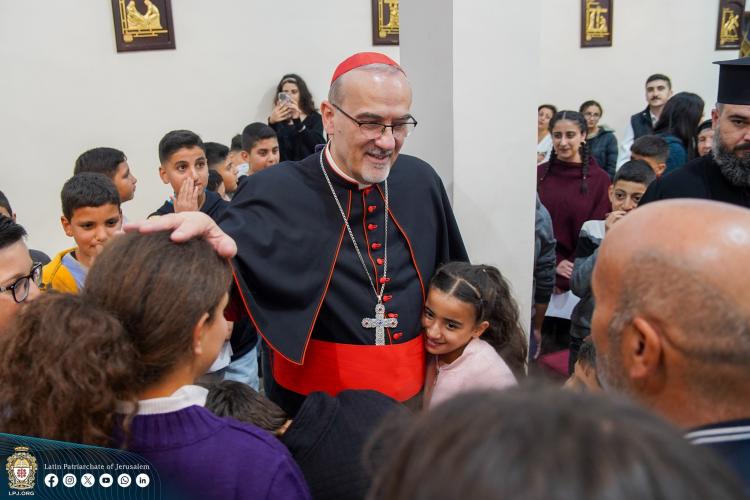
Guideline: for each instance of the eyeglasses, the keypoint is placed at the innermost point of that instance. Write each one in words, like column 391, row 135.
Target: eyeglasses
column 373, row 130
column 21, row 287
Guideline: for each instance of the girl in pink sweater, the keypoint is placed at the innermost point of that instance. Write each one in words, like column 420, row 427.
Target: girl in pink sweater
column 472, row 331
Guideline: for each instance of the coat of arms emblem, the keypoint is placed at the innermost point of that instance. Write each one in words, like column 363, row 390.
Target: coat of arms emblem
column 21, row 469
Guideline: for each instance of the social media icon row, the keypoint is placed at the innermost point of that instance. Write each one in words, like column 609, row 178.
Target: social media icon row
column 105, row 480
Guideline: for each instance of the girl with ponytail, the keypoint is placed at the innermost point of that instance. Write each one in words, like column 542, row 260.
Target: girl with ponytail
column 472, row 329
column 572, row 187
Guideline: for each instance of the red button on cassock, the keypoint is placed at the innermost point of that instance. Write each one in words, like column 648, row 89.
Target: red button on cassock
column 379, row 261
column 392, row 315
column 387, row 298
column 397, row 335
column 375, row 246
column 372, row 208
column 372, row 227
column 384, row 280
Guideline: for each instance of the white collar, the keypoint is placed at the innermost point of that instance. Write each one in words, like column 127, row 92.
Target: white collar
column 185, row 396
column 340, row 172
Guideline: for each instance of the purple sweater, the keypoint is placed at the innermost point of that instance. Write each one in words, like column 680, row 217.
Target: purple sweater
column 200, row 455
column 559, row 187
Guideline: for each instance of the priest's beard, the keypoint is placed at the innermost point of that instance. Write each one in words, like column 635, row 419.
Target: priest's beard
column 736, row 169
column 372, row 174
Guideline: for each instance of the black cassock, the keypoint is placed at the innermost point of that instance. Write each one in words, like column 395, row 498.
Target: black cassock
column 304, row 286
column 699, row 178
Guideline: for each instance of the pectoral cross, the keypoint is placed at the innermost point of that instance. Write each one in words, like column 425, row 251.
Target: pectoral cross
column 379, row 323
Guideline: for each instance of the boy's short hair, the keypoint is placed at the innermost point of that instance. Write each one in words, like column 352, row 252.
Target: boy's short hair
column 236, row 144
column 10, row 232
column 214, row 180
column 88, row 189
column 100, row 160
column 659, row 76
column 256, row 132
column 216, row 154
column 4, row 203
column 241, row 402
column 587, row 353
column 176, row 140
column 637, row 171
column 651, row 146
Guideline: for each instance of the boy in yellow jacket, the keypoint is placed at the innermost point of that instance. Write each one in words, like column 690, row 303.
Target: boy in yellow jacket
column 91, row 216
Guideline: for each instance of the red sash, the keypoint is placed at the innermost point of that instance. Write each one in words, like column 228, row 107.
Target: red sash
column 396, row 370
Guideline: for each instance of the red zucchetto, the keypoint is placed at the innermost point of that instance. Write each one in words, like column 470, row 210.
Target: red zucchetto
column 361, row 59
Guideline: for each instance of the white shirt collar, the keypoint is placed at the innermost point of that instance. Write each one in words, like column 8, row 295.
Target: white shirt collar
column 185, row 396
column 340, row 172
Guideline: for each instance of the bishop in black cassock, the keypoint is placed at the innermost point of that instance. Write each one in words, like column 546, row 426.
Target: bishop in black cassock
column 723, row 175
column 304, row 287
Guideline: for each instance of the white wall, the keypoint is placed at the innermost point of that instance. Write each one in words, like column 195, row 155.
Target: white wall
column 674, row 37
column 64, row 88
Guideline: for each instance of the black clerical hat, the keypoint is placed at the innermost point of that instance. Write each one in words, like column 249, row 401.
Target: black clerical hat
column 734, row 81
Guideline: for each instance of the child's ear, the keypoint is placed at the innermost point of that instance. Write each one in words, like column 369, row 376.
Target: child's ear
column 611, row 193
column 245, row 156
column 480, row 328
column 163, row 174
column 660, row 168
column 67, row 227
column 198, row 332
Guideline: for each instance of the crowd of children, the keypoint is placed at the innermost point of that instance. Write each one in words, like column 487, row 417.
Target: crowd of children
column 138, row 320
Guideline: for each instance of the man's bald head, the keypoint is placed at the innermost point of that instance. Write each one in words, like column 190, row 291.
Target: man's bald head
column 672, row 301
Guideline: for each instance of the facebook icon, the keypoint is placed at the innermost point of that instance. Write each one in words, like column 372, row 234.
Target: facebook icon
column 50, row 480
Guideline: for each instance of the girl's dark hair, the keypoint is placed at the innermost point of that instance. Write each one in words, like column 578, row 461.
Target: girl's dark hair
column 63, row 366
column 551, row 107
column 680, row 117
column 588, row 447
column 589, row 103
column 487, row 291
column 306, row 104
column 585, row 151
column 159, row 290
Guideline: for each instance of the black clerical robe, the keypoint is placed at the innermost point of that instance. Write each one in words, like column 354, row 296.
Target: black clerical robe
column 305, row 289
column 699, row 178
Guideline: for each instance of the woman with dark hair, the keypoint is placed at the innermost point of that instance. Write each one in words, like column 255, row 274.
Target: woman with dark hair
column 600, row 137
column 677, row 124
column 118, row 365
column 544, row 114
column 536, row 443
column 298, row 126
column 572, row 187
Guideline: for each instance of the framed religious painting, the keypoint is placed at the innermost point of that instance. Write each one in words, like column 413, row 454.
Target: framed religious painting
column 143, row 25
column 384, row 22
column 729, row 25
column 596, row 23
column 745, row 45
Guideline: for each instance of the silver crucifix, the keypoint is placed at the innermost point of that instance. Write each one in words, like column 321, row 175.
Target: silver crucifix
column 379, row 323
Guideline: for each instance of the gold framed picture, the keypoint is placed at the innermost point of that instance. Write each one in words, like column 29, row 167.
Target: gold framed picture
column 385, row 22
column 143, row 25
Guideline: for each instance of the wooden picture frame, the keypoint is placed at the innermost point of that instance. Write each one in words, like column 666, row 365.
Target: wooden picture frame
column 385, row 22
column 143, row 25
column 729, row 24
column 596, row 23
